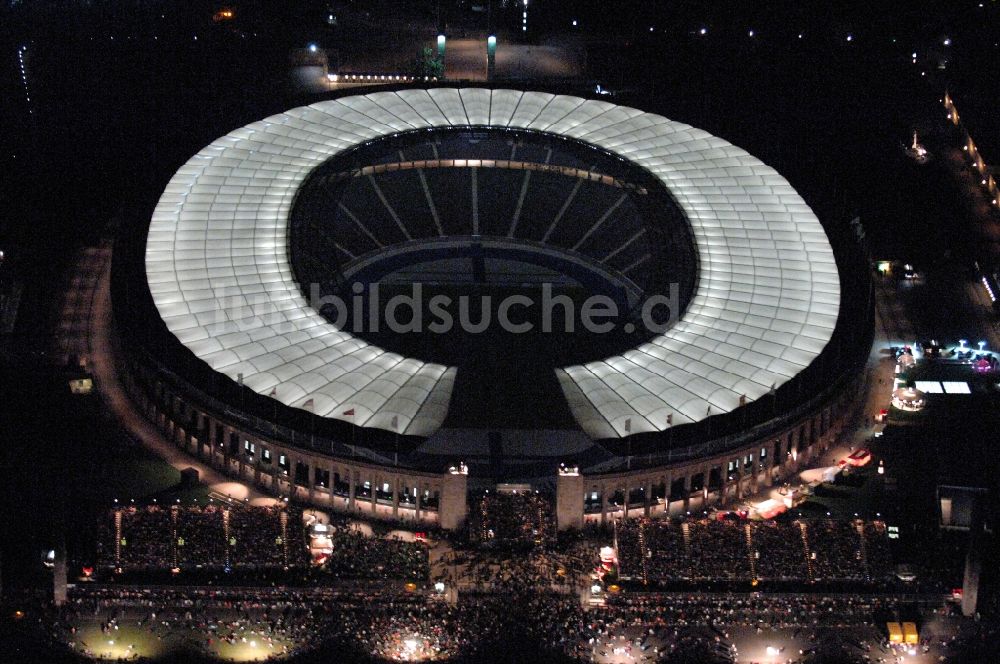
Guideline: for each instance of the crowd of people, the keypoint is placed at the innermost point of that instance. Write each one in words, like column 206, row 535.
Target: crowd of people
column 266, row 536
column 353, row 554
column 386, row 622
column 213, row 536
column 363, row 610
column 515, row 519
column 711, row 549
column 835, row 550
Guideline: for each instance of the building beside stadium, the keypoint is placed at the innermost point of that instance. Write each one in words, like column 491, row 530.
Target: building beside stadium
column 245, row 309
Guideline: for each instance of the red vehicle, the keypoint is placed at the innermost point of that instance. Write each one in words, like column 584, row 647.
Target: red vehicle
column 857, row 458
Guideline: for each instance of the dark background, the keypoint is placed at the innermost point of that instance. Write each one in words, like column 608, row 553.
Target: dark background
column 109, row 120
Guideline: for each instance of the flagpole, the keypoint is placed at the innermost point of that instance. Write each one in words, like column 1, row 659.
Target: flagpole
column 354, row 431
column 628, row 436
column 395, row 429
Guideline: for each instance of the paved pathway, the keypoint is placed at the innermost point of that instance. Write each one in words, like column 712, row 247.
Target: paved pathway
column 114, row 396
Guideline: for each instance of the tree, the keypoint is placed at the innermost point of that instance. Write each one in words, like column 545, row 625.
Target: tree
column 429, row 64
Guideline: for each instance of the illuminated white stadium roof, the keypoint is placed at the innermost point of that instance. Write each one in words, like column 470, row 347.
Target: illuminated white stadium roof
column 217, row 262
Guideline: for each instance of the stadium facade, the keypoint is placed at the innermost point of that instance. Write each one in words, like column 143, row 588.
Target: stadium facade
column 228, row 346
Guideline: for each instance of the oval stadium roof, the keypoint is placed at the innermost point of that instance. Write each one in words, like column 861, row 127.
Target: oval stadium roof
column 217, row 264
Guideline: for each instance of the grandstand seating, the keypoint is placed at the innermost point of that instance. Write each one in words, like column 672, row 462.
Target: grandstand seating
column 710, row 550
column 371, row 211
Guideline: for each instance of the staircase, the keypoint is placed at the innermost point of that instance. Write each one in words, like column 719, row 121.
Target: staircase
column 808, row 553
column 863, row 548
column 118, row 538
column 751, row 554
column 174, row 544
column 686, row 533
column 644, row 553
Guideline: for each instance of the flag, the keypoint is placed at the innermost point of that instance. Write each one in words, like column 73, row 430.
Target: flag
column 708, row 411
column 395, row 423
column 628, row 425
column 670, row 419
column 310, row 404
column 349, row 412
column 274, row 392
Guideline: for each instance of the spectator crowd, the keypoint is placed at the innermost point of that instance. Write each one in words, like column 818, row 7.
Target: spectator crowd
column 732, row 549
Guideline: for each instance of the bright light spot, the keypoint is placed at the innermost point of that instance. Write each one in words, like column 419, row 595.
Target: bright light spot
column 947, row 41
column 750, row 33
column 703, row 31
column 574, row 22
column 850, row 38
column 312, row 48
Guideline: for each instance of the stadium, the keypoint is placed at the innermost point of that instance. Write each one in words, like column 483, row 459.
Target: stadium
column 255, row 328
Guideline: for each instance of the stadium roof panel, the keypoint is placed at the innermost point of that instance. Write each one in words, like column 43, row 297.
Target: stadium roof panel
column 217, row 263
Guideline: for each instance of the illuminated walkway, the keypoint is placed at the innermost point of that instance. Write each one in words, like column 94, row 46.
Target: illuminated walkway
column 106, row 381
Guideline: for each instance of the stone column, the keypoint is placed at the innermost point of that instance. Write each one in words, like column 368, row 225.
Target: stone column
column 311, row 479
column 396, row 485
column 604, row 503
column 668, row 481
column 569, row 501
column 329, row 484
column 453, row 501
column 227, row 434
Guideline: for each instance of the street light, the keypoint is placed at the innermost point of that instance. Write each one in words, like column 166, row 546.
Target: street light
column 982, row 344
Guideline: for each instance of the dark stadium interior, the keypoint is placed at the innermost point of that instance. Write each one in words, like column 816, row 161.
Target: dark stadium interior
column 582, row 221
